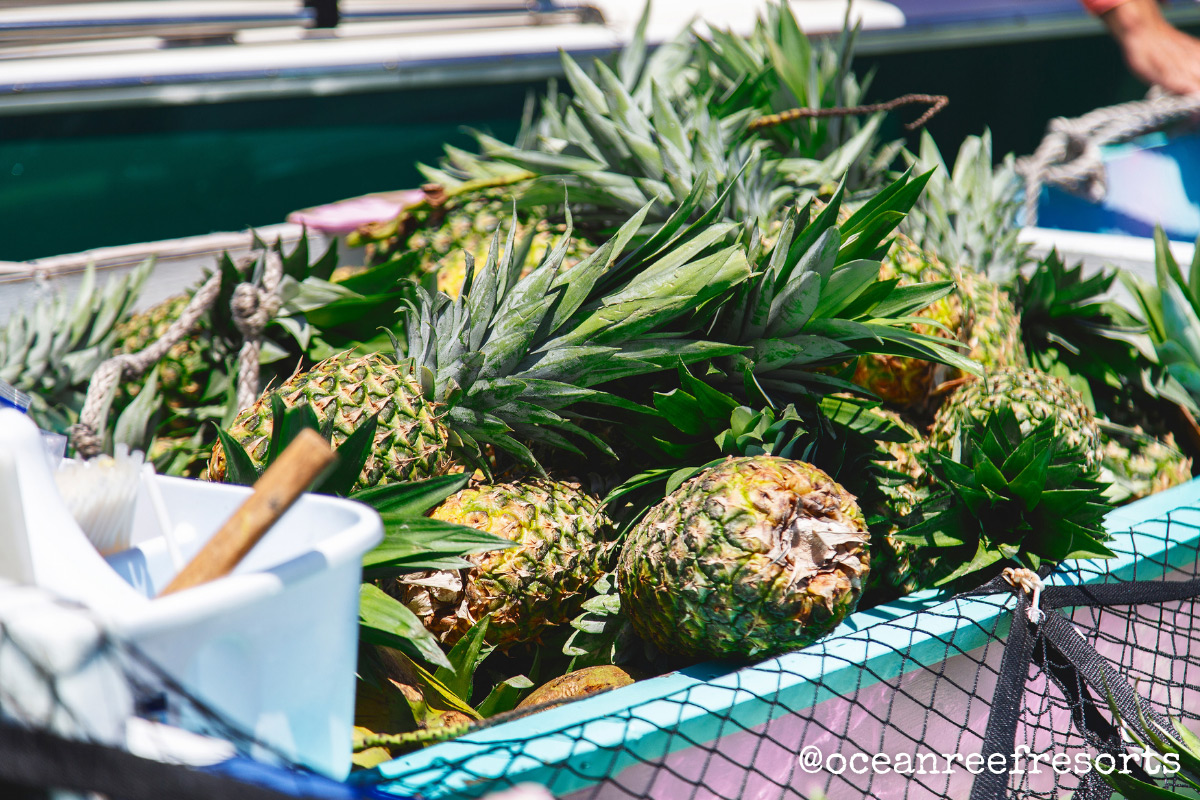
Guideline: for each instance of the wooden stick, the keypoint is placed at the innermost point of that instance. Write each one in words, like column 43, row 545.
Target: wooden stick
column 274, row 492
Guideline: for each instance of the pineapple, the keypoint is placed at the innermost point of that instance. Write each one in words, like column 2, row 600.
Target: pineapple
column 979, row 313
column 344, row 391
column 506, row 357
column 752, row 557
column 467, row 227
column 1013, row 491
column 184, row 372
column 565, row 546
column 897, row 567
column 1140, row 465
column 1034, row 396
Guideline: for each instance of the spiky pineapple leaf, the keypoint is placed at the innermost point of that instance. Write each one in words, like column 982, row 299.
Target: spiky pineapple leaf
column 240, row 468
column 465, row 657
column 412, row 498
column 384, row 620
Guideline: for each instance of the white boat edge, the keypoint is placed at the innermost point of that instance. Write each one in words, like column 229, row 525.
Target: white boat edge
column 182, row 262
column 366, row 56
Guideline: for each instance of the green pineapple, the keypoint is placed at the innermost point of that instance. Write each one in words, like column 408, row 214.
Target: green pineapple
column 565, row 546
column 1033, row 396
column 750, row 558
column 410, row 441
column 1013, row 491
column 978, row 313
column 498, row 364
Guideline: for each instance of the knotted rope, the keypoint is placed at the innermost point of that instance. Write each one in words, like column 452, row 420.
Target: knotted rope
column 253, row 306
column 1069, row 156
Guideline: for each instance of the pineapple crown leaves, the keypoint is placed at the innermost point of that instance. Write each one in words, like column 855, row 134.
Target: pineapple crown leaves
column 698, row 423
column 817, row 300
column 1069, row 327
column 1010, row 497
column 1171, row 309
column 776, row 68
column 1176, row 743
column 411, row 541
column 968, row 216
column 52, row 349
column 511, row 352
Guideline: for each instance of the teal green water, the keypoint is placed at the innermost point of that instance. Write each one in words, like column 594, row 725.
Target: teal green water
column 69, row 182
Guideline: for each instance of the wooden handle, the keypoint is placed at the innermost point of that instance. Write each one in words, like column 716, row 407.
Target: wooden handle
column 274, row 492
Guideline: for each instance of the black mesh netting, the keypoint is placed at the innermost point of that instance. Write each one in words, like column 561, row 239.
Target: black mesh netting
column 894, row 709
column 914, row 689
column 68, row 693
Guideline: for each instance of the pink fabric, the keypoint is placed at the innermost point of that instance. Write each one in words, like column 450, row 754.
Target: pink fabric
column 1098, row 7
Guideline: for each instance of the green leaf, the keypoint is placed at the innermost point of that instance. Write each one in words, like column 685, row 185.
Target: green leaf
column 438, row 695
column 384, row 620
column 413, row 498
column 410, row 542
column 505, row 696
column 465, row 657
column 134, row 426
column 239, row 468
column 983, row 558
column 351, row 458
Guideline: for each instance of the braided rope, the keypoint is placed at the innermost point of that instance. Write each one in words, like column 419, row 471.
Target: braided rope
column 1070, row 158
column 252, row 307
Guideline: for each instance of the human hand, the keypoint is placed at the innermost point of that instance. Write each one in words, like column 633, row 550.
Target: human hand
column 1155, row 51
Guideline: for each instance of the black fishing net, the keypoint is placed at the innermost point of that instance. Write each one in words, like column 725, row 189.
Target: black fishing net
column 965, row 698
column 68, row 693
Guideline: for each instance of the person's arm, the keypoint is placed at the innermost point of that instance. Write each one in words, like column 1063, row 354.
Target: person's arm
column 1155, row 51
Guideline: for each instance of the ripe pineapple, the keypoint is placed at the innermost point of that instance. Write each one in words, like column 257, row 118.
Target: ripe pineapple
column 184, row 372
column 565, row 546
column 468, row 227
column 1034, row 396
column 978, row 313
column 503, row 360
column 750, row 558
column 410, row 443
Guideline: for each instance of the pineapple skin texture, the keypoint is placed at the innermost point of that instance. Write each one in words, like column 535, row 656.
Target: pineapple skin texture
column 469, row 228
column 184, row 370
column 1033, row 396
column 899, row 568
column 411, row 443
column 565, row 546
column 978, row 312
column 750, row 558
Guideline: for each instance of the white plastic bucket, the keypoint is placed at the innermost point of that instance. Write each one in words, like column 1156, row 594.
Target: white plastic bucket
column 273, row 646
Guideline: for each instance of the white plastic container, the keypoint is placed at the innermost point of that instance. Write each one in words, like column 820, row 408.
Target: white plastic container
column 272, row 647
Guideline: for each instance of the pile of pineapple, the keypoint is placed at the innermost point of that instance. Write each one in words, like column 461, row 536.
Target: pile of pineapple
column 647, row 387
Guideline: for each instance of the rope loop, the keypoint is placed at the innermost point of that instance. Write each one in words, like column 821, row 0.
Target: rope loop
column 254, row 304
column 1070, row 156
